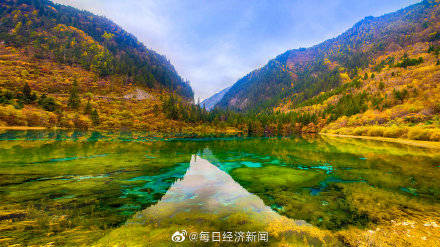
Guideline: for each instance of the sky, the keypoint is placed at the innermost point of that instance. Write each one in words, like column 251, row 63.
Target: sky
column 213, row 43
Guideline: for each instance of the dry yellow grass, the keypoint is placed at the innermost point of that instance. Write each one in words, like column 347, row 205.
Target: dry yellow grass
column 425, row 144
column 120, row 103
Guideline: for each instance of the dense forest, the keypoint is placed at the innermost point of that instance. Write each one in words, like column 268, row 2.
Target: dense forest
column 303, row 73
column 61, row 67
column 380, row 78
column 74, row 37
column 65, row 68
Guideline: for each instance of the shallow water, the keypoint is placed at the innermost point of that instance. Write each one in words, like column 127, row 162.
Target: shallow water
column 75, row 188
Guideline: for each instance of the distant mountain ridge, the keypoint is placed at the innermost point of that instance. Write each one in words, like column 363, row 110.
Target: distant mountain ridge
column 75, row 37
column 301, row 74
column 210, row 102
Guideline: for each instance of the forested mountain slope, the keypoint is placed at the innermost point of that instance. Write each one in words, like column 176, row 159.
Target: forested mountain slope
column 65, row 68
column 74, row 37
column 298, row 75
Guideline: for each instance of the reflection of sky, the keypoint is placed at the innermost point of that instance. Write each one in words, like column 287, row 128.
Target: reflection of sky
column 214, row 43
column 207, row 189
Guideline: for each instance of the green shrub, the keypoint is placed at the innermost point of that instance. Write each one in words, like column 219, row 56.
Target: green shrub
column 48, row 103
column 406, row 61
column 6, row 96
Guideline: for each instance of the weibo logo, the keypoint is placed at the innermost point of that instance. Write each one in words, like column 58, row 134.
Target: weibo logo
column 179, row 237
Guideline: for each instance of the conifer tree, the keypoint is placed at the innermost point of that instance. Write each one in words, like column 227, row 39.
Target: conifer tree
column 95, row 117
column 88, row 108
column 74, row 100
column 28, row 97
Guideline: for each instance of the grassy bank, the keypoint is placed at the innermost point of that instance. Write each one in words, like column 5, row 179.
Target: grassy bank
column 419, row 133
column 425, row 144
column 21, row 128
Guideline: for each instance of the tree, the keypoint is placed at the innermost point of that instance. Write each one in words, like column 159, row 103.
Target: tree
column 366, row 76
column 28, row 97
column 74, row 100
column 400, row 95
column 88, row 108
column 26, row 91
column 6, row 96
column 170, row 107
column 406, row 61
column 47, row 103
column 95, row 117
column 381, row 85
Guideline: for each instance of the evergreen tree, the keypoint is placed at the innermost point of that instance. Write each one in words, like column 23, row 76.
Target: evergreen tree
column 88, row 108
column 74, row 100
column 28, row 97
column 26, row 91
column 171, row 108
column 95, row 117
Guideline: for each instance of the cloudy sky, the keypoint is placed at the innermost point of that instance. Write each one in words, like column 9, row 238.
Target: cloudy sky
column 213, row 43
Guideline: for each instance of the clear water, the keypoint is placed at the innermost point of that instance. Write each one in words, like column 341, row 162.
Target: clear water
column 80, row 188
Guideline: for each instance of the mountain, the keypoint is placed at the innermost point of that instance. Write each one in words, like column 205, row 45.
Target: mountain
column 74, row 37
column 210, row 102
column 61, row 67
column 299, row 75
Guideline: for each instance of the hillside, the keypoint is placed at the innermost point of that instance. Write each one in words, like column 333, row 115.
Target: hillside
column 298, row 75
column 69, row 36
column 65, row 68
column 38, row 93
column 210, row 102
column 380, row 78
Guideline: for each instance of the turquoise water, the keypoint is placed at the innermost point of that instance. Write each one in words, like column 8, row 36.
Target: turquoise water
column 77, row 186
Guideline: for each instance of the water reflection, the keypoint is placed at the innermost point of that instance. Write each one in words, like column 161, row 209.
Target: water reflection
column 94, row 182
column 207, row 189
column 207, row 199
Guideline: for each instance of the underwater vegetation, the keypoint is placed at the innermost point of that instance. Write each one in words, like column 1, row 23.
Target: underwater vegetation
column 83, row 188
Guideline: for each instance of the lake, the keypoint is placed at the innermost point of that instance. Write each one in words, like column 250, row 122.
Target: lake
column 67, row 188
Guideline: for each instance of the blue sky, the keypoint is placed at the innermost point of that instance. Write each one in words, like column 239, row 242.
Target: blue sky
column 213, row 43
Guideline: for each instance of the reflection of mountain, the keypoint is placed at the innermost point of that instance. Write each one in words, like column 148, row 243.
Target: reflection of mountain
column 207, row 199
column 207, row 189
column 155, row 186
